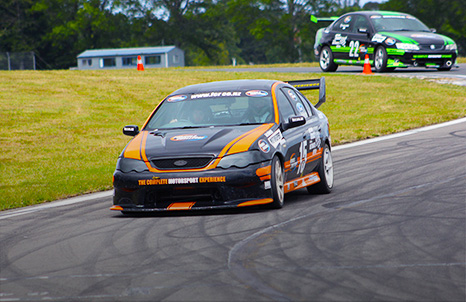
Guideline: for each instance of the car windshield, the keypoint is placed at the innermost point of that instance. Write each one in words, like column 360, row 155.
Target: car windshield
column 398, row 23
column 213, row 109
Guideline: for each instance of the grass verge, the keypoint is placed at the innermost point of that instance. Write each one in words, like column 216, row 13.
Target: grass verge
column 60, row 131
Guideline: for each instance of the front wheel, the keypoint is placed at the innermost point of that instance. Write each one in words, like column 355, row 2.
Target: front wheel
column 380, row 60
column 277, row 182
column 325, row 171
column 326, row 60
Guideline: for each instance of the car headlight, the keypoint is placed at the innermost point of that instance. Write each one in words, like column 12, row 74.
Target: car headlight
column 407, row 46
column 241, row 160
column 451, row 47
column 127, row 165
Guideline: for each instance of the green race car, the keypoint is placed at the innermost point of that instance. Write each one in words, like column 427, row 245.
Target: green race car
column 390, row 39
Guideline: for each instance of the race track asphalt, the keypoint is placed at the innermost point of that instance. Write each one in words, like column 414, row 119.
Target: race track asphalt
column 394, row 228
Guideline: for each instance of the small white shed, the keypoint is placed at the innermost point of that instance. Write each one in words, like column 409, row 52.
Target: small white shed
column 118, row 58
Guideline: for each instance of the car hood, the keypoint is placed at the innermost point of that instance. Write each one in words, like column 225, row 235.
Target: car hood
column 418, row 37
column 216, row 141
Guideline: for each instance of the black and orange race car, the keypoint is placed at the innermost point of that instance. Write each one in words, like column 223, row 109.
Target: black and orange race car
column 226, row 144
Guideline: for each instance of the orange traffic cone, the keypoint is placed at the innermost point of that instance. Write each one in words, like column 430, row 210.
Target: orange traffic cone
column 140, row 65
column 367, row 65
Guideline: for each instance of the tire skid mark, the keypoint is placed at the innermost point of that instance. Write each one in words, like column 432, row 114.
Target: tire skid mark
column 238, row 255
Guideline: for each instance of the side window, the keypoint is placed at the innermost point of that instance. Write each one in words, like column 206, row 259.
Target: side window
column 296, row 101
column 284, row 106
column 359, row 22
column 306, row 103
column 343, row 25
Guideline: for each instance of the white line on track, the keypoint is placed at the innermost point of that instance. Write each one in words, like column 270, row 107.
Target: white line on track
column 83, row 198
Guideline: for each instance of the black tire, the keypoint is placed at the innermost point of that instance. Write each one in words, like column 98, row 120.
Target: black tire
column 326, row 60
column 380, row 59
column 278, row 183
column 325, row 171
column 444, row 68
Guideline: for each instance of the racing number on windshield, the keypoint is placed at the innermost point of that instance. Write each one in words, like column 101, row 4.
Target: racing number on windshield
column 354, row 49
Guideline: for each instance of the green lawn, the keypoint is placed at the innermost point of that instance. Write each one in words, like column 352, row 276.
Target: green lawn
column 61, row 131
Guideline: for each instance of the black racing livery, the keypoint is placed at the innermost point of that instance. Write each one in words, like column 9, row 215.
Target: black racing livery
column 390, row 39
column 226, row 144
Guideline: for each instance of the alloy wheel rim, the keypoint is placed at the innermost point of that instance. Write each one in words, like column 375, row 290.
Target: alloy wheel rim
column 328, row 167
column 324, row 59
column 279, row 181
column 379, row 59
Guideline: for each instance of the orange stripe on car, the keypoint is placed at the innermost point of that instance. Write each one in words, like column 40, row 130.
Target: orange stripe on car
column 302, row 182
column 264, row 173
column 255, row 202
column 181, row 206
column 245, row 143
column 312, row 157
column 275, row 102
column 133, row 149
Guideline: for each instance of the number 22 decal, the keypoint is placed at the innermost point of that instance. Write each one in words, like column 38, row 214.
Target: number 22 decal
column 354, row 49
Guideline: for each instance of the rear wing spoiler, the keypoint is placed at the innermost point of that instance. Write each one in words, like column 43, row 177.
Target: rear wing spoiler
column 312, row 84
column 323, row 19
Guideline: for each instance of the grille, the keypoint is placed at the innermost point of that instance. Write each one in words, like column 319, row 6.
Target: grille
column 181, row 163
column 428, row 46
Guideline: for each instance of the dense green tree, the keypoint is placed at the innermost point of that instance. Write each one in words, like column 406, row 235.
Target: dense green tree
column 447, row 17
column 210, row 31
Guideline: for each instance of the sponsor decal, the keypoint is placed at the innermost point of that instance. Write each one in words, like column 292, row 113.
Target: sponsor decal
column 180, row 181
column 268, row 133
column 267, row 185
column 300, row 107
column 394, row 17
column 378, row 38
column 257, row 93
column 177, row 98
column 292, row 95
column 422, row 36
column 187, row 137
column 264, row 146
column 215, row 94
column 347, row 19
column 293, row 162
column 275, row 138
column 339, row 40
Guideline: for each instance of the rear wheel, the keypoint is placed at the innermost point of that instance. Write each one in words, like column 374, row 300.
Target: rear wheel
column 326, row 60
column 277, row 182
column 325, row 171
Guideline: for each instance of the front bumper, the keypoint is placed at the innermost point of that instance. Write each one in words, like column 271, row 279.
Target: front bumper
column 402, row 58
column 217, row 188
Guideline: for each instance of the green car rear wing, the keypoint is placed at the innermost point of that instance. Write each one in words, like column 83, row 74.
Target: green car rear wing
column 324, row 19
column 311, row 84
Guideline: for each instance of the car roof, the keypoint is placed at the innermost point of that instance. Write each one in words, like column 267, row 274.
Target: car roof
column 378, row 12
column 230, row 85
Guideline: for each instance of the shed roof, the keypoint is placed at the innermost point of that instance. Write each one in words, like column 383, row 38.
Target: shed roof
column 125, row 51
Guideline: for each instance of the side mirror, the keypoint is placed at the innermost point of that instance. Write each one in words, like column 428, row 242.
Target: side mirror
column 433, row 30
column 131, row 130
column 294, row 121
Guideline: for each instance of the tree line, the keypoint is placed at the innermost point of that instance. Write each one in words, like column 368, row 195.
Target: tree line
column 211, row 32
